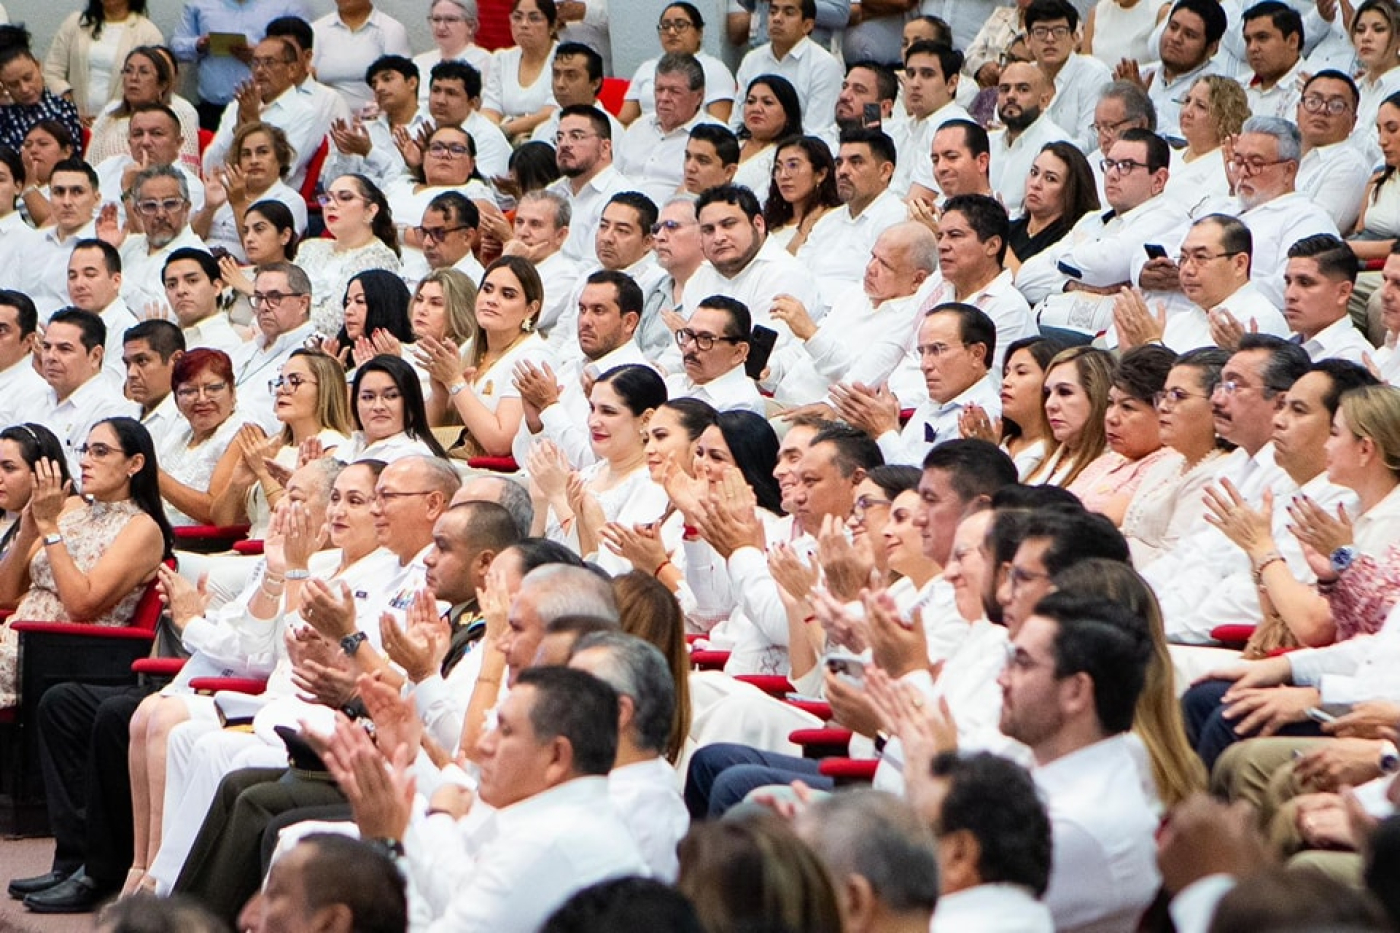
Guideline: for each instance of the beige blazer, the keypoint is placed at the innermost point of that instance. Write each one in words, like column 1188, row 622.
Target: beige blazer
column 66, row 65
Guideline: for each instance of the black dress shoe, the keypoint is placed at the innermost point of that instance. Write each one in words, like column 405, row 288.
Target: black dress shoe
column 76, row 895
column 20, row 887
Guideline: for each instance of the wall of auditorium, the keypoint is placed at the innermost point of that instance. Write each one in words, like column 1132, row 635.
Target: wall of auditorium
column 633, row 32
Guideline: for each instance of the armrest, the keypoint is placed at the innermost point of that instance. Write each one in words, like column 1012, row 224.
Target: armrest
column 208, row 539
column 494, row 464
column 821, row 743
column 818, row 708
column 709, row 660
column 775, row 685
column 250, row 685
column 83, row 630
column 157, row 667
column 1233, row 635
column 252, row 547
column 849, row 770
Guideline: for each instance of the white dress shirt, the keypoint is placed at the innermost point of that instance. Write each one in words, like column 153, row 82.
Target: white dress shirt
column 834, row 353
column 258, row 362
column 815, row 74
column 1198, row 186
column 913, row 143
column 293, row 112
column 560, row 276
column 730, row 391
column 143, row 271
column 838, row 248
column 588, row 206
column 165, row 420
column 71, row 419
column 1281, row 100
column 1339, row 340
column 1165, row 95
column 1001, row 302
column 395, row 447
column 964, row 17
column 503, row 92
column 1275, row 226
column 223, row 226
column 22, row 391
column 1188, row 327
column 215, row 332
column 1335, row 178
column 562, row 335
column 530, row 858
column 1354, row 670
column 566, row 421
column 991, row 908
column 118, row 319
column 343, row 54
column 384, row 163
column 492, row 148
column 1103, row 826
column 1078, row 87
column 43, row 275
column 647, row 797
column 1011, row 161
column 654, row 158
column 933, row 422
column 473, row 55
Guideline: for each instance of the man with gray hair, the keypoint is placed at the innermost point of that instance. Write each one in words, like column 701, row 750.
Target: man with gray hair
column 652, row 151
column 548, row 593
column 505, row 492
column 882, row 859
column 1122, row 106
column 642, row 783
column 160, row 200
column 282, row 308
column 867, row 336
column 541, row 228
column 1265, row 173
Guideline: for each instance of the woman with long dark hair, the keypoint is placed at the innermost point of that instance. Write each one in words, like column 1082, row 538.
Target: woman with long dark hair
column 86, row 559
column 376, row 308
column 1059, row 191
column 772, row 112
column 390, row 420
column 801, row 191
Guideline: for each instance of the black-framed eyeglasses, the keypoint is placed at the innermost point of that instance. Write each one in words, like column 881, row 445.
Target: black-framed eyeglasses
column 674, row 25
column 1201, row 258
column 667, row 226
column 290, row 383
column 271, row 299
column 703, row 342
column 438, row 234
column 1124, row 166
column 1332, row 106
column 1254, row 166
column 448, row 150
column 1050, row 32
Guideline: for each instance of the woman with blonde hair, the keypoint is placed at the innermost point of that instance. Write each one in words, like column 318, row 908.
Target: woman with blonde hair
column 444, row 307
column 1077, row 383
column 1213, row 110
column 649, row 611
column 1176, row 770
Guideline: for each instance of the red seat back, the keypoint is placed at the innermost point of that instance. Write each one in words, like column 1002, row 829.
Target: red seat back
column 612, row 94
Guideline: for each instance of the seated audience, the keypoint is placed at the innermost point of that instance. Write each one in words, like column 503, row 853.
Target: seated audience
column 148, row 76
column 1059, row 192
column 376, row 312
column 791, row 53
column 361, row 236
column 1024, row 94
column 259, row 162
column 1052, row 31
column 202, row 384
column 680, row 30
column 1333, row 170
column 1212, row 111
column 1024, row 429
column 1273, row 38
column 769, row 113
column 390, row 420
column 802, row 190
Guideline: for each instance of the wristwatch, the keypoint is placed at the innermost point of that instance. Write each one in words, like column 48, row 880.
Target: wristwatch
column 351, row 643
column 457, row 389
column 52, row 539
column 1342, row 558
column 1390, row 759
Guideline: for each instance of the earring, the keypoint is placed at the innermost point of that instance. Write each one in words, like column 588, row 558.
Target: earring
column 527, row 325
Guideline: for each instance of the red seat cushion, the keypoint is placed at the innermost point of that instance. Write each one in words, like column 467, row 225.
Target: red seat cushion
column 158, row 667
column 774, row 685
column 251, row 546
column 818, row 708
column 1232, row 634
column 830, row 736
column 846, row 770
column 494, row 464
column 707, row 660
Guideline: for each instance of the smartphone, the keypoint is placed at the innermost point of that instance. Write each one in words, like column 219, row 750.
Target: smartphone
column 1317, row 714
column 1154, row 251
column 846, row 665
column 761, row 343
column 871, row 114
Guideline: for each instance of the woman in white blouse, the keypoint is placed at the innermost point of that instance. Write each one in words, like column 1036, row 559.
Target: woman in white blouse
column 572, row 507
column 1023, row 431
column 390, row 420
column 801, row 192
column 681, row 29
column 454, row 24
column 447, row 164
column 376, row 319
column 259, row 161
column 1170, row 500
column 362, row 236
column 772, row 112
column 89, row 49
column 1375, row 33
column 1213, row 110
column 518, row 94
column 482, row 394
column 202, row 382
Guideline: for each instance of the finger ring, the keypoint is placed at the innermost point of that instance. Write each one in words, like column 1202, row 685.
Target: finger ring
column 918, row 702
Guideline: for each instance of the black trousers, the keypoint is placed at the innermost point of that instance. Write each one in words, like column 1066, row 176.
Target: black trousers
column 84, row 733
column 226, row 863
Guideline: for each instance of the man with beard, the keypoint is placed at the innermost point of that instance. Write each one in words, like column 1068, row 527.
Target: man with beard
column 584, row 154
column 1022, row 96
column 161, row 198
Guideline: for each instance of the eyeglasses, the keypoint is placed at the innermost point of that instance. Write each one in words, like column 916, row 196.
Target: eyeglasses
column 937, row 350
column 256, row 63
column 1050, row 32
column 1174, row 396
column 271, row 299
column 1019, row 576
column 152, row 208
column 448, row 150
column 98, row 451
column 575, row 136
column 666, row 226
column 1201, row 257
column 703, row 342
column 674, row 25
column 1254, row 166
column 1124, row 166
column 1108, row 127
column 532, row 18
column 446, row 20
column 865, row 504
column 190, row 393
column 1233, row 386
column 1332, row 106
column 325, row 199
column 438, row 234
column 290, row 383
column 382, row 496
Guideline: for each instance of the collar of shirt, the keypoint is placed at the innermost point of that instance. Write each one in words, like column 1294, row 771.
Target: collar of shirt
column 600, row 182
column 375, row 21
column 1385, row 513
column 1244, row 295
column 796, row 53
column 1063, row 773
column 684, row 129
column 982, row 392
column 1186, row 79
column 86, row 232
column 589, row 793
column 627, row 354
column 1285, row 84
column 282, row 101
column 1043, row 130
column 97, row 385
column 297, row 335
column 166, row 411
column 733, row 383
column 1330, row 336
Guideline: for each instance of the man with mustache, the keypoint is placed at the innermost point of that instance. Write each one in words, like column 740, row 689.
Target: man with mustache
column 1023, row 94
column 714, row 345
